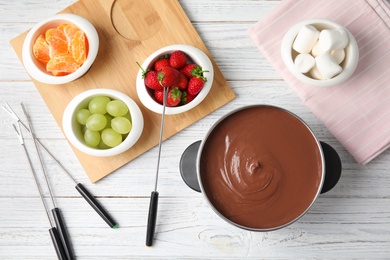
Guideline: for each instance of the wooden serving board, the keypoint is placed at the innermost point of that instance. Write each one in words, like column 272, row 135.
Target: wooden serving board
column 129, row 31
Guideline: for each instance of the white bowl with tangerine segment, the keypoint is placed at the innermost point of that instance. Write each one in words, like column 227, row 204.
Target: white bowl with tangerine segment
column 195, row 56
column 60, row 49
column 75, row 131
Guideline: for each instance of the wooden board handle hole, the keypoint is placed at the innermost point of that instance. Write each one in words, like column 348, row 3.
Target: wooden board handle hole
column 147, row 21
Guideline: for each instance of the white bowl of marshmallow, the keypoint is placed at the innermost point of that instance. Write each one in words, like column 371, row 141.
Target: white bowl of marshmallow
column 320, row 52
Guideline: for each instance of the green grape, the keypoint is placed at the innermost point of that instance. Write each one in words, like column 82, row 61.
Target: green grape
column 98, row 105
column 82, row 116
column 121, row 125
column 117, row 108
column 96, row 122
column 92, row 138
column 111, row 138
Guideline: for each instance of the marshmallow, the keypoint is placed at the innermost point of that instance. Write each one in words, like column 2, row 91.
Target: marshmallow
column 316, row 74
column 327, row 66
column 333, row 39
column 338, row 55
column 316, row 51
column 304, row 62
column 306, row 38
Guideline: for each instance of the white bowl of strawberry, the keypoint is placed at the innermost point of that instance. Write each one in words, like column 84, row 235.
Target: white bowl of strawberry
column 185, row 70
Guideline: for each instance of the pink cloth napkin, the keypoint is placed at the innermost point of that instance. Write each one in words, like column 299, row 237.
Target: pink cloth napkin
column 356, row 112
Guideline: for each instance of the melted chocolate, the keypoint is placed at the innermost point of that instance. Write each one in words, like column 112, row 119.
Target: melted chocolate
column 261, row 167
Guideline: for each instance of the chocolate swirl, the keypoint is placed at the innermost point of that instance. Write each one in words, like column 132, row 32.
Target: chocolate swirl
column 251, row 177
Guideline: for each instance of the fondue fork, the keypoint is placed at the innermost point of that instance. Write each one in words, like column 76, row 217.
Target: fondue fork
column 79, row 187
column 55, row 238
column 154, row 195
column 55, row 210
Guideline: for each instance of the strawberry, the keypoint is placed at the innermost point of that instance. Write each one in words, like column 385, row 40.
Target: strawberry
column 192, row 69
column 195, row 85
column 174, row 97
column 187, row 69
column 150, row 78
column 159, row 96
column 162, row 62
column 183, row 82
column 177, row 60
column 186, row 98
column 168, row 77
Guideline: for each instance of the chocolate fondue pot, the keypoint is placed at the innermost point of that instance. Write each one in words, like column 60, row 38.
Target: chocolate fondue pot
column 260, row 167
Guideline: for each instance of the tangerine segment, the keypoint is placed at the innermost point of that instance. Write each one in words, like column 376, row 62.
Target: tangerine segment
column 57, row 41
column 70, row 30
column 62, row 26
column 41, row 50
column 63, row 49
column 61, row 65
column 79, row 47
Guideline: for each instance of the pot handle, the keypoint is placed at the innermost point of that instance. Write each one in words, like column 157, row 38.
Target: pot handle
column 188, row 167
column 333, row 167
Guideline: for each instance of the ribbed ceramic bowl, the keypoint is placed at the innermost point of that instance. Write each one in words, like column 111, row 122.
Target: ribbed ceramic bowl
column 37, row 70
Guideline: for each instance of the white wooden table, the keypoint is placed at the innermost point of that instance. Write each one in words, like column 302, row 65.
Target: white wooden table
column 350, row 221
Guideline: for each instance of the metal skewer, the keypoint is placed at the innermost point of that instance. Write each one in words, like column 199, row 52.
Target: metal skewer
column 53, row 231
column 55, row 210
column 154, row 195
column 12, row 113
column 79, row 187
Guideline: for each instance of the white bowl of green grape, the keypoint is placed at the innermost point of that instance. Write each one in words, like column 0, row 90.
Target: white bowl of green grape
column 102, row 122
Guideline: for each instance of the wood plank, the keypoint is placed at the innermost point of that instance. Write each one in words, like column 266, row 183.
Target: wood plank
column 198, row 11
column 348, row 228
